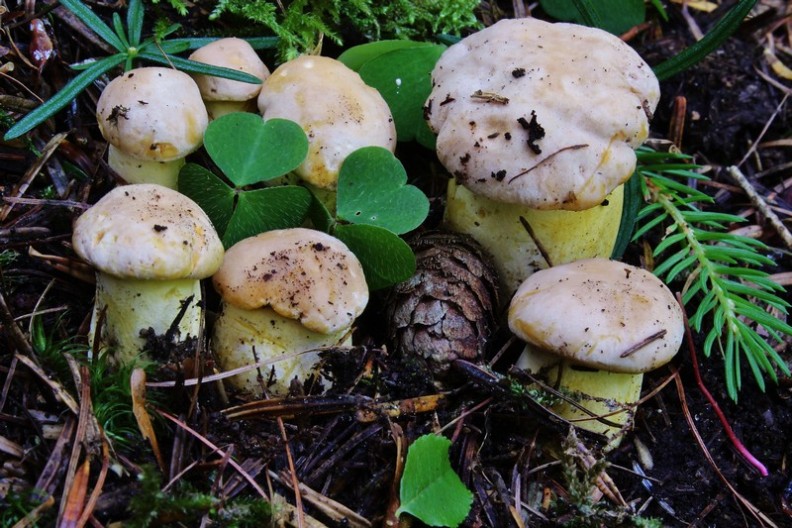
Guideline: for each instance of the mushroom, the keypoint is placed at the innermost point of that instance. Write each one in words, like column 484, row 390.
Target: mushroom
column 601, row 324
column 150, row 246
column 537, row 123
column 223, row 96
column 337, row 110
column 153, row 118
column 285, row 292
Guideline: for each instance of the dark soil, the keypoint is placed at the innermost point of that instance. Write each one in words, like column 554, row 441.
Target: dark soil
column 344, row 445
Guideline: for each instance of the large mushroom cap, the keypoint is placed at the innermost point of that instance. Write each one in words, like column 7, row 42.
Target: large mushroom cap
column 153, row 113
column 599, row 313
column 337, row 110
column 233, row 53
column 300, row 273
column 541, row 114
column 147, row 231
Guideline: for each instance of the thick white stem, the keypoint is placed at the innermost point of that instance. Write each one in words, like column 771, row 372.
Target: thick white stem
column 244, row 337
column 134, row 170
column 129, row 306
column 566, row 236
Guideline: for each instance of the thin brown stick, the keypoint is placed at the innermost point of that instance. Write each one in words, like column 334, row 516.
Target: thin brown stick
column 760, row 203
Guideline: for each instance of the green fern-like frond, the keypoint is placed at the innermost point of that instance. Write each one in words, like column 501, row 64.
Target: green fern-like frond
column 720, row 272
column 300, row 24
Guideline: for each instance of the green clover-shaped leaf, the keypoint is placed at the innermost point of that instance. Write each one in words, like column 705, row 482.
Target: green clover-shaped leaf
column 373, row 190
column 430, row 490
column 250, row 150
column 267, row 209
column 404, row 78
column 214, row 196
column 386, row 258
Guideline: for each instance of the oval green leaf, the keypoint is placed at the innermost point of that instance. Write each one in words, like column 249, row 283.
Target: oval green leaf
column 386, row 258
column 614, row 16
column 214, row 196
column 373, row 190
column 356, row 56
column 404, row 78
column 429, row 481
column 267, row 209
column 250, row 150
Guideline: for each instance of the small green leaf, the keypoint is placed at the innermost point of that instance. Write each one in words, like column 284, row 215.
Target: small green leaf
column 191, row 66
column 711, row 41
column 430, row 490
column 404, row 78
column 197, row 42
column 265, row 210
column 373, row 190
column 84, row 13
column 356, row 56
column 249, row 150
column 210, row 192
column 614, row 16
column 320, row 216
column 386, row 258
column 134, row 20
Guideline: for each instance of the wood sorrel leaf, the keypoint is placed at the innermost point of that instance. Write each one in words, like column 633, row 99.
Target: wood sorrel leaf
column 404, row 78
column 430, row 490
column 214, row 196
column 250, row 150
column 356, row 56
column 614, row 16
column 373, row 190
column 386, row 258
column 267, row 209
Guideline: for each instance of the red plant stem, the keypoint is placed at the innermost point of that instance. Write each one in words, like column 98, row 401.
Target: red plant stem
column 738, row 445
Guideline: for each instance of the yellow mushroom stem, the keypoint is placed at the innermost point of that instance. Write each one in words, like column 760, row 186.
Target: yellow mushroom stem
column 555, row 235
column 607, row 398
column 127, row 307
column 136, row 170
column 245, row 337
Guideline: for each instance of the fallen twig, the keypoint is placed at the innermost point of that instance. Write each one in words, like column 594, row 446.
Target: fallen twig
column 761, row 205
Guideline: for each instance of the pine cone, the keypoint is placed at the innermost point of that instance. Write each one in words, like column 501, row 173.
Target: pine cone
column 447, row 309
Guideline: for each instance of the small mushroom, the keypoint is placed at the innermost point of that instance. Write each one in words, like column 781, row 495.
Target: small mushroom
column 337, row 110
column 285, row 292
column 223, row 96
column 597, row 325
column 150, row 246
column 537, row 123
column 153, row 118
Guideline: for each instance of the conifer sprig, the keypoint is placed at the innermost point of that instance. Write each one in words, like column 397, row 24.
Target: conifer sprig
column 722, row 273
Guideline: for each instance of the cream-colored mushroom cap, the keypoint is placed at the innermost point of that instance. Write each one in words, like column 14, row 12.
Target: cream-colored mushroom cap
column 233, row 53
column 147, row 231
column 337, row 110
column 153, row 113
column 600, row 313
column 300, row 273
column 541, row 114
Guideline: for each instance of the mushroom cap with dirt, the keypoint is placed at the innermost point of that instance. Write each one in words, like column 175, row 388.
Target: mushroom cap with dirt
column 153, row 118
column 150, row 246
column 533, row 117
column 223, row 96
column 600, row 314
column 337, row 110
column 285, row 293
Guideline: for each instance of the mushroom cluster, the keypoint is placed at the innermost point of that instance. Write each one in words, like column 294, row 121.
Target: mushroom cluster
column 537, row 123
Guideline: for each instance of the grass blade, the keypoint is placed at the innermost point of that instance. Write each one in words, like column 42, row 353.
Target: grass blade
column 90, row 18
column 66, row 95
